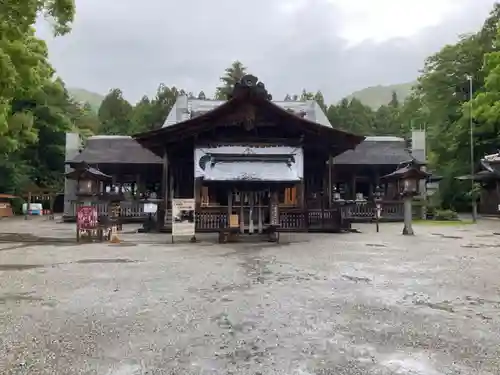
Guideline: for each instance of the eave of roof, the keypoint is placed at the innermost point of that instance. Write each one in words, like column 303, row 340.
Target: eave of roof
column 376, row 151
column 115, row 149
column 156, row 138
column 406, row 172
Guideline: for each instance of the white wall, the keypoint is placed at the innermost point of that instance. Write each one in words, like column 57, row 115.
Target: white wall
column 73, row 144
column 418, row 145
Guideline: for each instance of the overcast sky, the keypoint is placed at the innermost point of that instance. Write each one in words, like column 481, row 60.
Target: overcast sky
column 337, row 46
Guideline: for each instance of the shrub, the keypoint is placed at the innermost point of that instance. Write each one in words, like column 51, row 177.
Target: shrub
column 17, row 206
column 445, row 215
column 431, row 212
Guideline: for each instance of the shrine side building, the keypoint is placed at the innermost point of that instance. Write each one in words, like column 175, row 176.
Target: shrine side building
column 242, row 156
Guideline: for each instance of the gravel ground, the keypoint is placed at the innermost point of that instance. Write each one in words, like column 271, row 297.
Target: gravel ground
column 368, row 303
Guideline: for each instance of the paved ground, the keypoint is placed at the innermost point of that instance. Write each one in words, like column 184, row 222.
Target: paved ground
column 369, row 303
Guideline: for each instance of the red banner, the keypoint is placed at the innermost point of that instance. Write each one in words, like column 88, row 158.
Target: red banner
column 86, row 217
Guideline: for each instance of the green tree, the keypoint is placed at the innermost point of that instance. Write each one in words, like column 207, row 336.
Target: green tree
column 439, row 102
column 115, row 114
column 352, row 116
column 142, row 115
column 24, row 67
column 231, row 76
column 394, row 103
column 52, row 113
column 84, row 119
column 149, row 114
column 40, row 161
column 318, row 97
column 486, row 105
column 306, row 95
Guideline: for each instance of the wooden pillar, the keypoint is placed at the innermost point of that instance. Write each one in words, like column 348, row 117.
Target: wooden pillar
column 353, row 186
column 197, row 192
column 28, row 206
column 497, row 189
column 302, row 203
column 162, row 217
column 172, row 185
column 251, row 203
column 138, row 186
column 242, row 218
column 260, row 224
column 52, row 198
column 112, row 189
column 330, row 181
column 229, row 206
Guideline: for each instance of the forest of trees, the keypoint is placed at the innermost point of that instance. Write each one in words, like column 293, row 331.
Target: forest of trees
column 36, row 110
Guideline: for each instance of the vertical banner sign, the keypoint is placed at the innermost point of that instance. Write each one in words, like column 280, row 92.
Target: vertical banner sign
column 86, row 218
column 274, row 214
column 183, row 217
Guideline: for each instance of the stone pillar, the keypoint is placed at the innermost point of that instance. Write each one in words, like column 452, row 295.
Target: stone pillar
column 408, row 216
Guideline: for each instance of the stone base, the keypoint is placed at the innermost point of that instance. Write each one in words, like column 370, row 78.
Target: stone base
column 408, row 231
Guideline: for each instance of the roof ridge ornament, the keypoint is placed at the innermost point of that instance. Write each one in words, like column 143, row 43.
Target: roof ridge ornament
column 249, row 86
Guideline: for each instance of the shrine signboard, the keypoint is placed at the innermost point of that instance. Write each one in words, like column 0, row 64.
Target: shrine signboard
column 86, row 218
column 183, row 214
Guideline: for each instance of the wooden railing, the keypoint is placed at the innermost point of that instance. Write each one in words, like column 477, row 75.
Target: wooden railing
column 209, row 219
column 365, row 212
column 130, row 210
column 291, row 219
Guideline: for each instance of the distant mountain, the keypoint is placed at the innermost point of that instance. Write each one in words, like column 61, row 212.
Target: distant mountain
column 377, row 96
column 85, row 96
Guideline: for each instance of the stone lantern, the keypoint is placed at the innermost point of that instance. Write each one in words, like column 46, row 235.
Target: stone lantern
column 89, row 187
column 377, row 199
column 408, row 176
column 89, row 191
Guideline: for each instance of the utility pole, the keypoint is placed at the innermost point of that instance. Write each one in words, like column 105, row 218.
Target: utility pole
column 471, row 125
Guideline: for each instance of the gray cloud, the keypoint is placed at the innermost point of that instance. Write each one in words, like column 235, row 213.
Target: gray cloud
column 137, row 45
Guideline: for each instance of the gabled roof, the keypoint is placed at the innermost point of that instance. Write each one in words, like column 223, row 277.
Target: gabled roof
column 115, row 149
column 378, row 150
column 250, row 95
column 186, row 108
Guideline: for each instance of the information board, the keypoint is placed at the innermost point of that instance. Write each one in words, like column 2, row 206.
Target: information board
column 183, row 212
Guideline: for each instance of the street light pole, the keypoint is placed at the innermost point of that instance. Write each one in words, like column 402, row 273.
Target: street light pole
column 471, row 125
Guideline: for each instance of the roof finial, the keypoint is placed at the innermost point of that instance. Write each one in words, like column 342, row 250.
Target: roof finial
column 250, row 86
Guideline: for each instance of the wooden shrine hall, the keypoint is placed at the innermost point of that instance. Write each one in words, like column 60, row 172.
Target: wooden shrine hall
column 251, row 159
